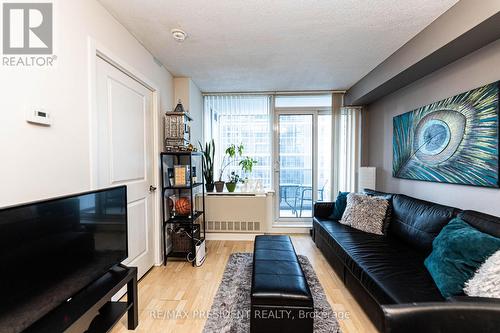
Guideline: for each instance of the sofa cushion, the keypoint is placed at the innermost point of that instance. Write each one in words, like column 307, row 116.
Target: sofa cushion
column 375, row 193
column 417, row 222
column 323, row 209
column 389, row 270
column 458, row 251
column 483, row 222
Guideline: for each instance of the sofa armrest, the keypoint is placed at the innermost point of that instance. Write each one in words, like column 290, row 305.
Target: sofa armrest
column 323, row 209
column 458, row 317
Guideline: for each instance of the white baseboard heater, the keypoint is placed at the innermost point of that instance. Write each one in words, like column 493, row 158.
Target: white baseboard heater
column 238, row 213
column 233, row 226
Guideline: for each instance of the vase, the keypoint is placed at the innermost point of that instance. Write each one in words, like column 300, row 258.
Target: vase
column 231, row 187
column 219, row 186
column 209, row 187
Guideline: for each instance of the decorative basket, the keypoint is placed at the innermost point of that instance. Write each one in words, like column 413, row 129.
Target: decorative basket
column 181, row 242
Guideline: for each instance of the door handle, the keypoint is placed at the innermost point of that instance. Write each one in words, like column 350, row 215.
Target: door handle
column 277, row 166
column 152, row 188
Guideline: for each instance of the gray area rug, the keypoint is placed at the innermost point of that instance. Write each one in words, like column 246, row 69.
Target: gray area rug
column 231, row 308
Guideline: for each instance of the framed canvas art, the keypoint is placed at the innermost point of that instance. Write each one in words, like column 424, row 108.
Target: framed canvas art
column 451, row 141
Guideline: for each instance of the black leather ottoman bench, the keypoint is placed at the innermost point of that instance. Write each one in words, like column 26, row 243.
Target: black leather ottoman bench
column 280, row 298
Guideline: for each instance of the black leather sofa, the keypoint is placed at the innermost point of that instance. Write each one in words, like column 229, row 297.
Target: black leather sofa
column 386, row 274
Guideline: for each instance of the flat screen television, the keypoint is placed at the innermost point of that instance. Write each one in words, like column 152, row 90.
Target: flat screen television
column 52, row 249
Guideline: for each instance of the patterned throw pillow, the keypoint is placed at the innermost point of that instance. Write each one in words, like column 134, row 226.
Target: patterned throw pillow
column 388, row 197
column 486, row 281
column 365, row 213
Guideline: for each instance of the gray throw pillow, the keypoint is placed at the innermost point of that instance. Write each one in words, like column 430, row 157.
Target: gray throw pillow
column 365, row 213
column 486, row 281
column 388, row 197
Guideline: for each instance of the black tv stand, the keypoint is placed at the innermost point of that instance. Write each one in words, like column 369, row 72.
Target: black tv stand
column 92, row 310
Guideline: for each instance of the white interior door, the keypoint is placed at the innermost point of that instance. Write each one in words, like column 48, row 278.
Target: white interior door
column 125, row 154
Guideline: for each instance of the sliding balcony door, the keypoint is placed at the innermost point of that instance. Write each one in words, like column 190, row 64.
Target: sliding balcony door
column 302, row 162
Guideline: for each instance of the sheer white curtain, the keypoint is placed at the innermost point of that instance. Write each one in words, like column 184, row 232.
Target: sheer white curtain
column 346, row 145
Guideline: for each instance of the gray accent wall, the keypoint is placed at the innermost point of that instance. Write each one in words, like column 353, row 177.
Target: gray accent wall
column 472, row 71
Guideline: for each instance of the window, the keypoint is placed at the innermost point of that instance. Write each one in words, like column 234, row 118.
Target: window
column 304, row 162
column 241, row 119
column 295, row 144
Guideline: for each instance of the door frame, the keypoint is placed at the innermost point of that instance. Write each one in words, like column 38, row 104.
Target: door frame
column 97, row 50
column 314, row 112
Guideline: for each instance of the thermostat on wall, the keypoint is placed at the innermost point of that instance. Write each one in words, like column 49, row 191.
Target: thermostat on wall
column 38, row 116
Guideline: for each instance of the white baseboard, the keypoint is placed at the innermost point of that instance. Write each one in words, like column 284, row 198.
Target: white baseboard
column 277, row 229
column 251, row 237
column 230, row 236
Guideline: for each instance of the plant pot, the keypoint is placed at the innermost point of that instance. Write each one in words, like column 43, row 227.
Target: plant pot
column 209, row 187
column 231, row 187
column 219, row 186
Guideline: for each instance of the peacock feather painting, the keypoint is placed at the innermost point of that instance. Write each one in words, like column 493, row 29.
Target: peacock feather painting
column 451, row 141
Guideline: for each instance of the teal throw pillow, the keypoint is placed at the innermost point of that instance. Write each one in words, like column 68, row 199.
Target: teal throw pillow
column 457, row 252
column 340, row 205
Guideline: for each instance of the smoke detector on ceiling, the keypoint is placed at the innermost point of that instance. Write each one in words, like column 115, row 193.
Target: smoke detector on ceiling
column 179, row 35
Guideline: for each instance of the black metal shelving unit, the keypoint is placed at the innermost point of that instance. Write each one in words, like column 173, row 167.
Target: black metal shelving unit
column 169, row 160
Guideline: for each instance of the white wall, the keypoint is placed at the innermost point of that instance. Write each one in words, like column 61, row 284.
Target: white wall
column 181, row 91
column 472, row 71
column 196, row 104
column 192, row 100
column 39, row 162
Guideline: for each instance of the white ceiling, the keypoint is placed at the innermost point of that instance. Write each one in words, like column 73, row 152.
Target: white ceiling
column 270, row 45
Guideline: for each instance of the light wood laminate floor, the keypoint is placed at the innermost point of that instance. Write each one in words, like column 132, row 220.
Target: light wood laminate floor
column 174, row 298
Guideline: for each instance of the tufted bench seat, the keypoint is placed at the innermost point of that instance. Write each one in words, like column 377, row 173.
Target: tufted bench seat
column 280, row 298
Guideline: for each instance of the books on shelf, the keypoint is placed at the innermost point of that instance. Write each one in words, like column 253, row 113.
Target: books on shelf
column 181, row 175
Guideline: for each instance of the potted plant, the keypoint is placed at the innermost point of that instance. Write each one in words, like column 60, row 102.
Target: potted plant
column 208, row 164
column 234, row 179
column 247, row 164
column 229, row 158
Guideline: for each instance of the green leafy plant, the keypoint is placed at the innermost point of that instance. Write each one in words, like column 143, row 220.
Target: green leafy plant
column 208, row 161
column 233, row 154
column 235, row 178
column 230, row 157
column 247, row 164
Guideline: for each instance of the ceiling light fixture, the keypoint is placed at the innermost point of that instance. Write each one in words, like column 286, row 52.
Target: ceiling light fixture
column 179, row 35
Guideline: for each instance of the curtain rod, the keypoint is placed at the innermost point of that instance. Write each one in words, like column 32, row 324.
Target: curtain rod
column 298, row 92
